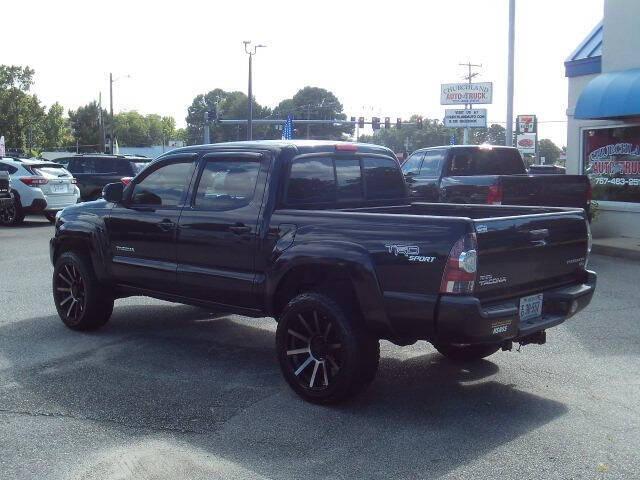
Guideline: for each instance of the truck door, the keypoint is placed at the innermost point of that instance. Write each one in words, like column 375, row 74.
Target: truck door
column 142, row 228
column 218, row 229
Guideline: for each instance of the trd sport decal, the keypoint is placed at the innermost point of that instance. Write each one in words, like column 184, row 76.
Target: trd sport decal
column 412, row 252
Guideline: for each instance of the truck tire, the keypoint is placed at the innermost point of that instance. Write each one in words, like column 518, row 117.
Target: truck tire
column 81, row 301
column 467, row 353
column 324, row 354
column 13, row 215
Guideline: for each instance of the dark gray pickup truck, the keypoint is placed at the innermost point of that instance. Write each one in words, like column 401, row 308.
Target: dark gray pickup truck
column 491, row 175
column 321, row 236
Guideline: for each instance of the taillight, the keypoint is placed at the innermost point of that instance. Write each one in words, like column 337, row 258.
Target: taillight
column 34, row 181
column 462, row 264
column 494, row 197
column 126, row 180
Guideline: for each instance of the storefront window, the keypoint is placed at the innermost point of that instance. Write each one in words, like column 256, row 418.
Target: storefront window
column 612, row 161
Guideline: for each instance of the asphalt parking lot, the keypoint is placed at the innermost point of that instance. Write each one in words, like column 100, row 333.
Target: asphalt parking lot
column 169, row 391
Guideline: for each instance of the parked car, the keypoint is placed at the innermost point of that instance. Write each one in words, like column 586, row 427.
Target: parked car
column 38, row 187
column 94, row 171
column 490, row 175
column 547, row 170
column 321, row 236
column 7, row 209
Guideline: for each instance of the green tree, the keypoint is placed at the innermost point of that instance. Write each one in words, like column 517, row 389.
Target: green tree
column 232, row 105
column 315, row 103
column 549, row 150
column 55, row 128
column 410, row 137
column 85, row 126
column 20, row 112
column 132, row 129
column 494, row 135
column 168, row 129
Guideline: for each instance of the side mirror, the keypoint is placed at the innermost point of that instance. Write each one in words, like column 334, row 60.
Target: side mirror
column 113, row 192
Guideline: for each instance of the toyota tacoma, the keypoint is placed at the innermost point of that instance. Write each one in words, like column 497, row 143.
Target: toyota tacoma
column 321, row 236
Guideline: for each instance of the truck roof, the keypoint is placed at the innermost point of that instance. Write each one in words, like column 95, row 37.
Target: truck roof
column 301, row 146
column 479, row 147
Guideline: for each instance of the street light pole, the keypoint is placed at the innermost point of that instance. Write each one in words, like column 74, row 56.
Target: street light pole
column 512, row 21
column 111, row 129
column 251, row 52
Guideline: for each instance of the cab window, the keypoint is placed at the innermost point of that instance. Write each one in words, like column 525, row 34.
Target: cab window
column 163, row 187
column 226, row 185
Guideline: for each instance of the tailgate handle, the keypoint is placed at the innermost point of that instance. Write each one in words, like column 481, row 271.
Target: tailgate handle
column 539, row 237
column 540, row 234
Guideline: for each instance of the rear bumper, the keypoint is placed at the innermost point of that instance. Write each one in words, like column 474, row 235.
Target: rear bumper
column 466, row 320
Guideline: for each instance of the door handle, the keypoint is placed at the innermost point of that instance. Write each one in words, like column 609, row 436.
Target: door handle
column 166, row 225
column 239, row 229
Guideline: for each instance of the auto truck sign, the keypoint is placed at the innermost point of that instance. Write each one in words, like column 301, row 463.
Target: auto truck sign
column 466, row 93
column 476, row 117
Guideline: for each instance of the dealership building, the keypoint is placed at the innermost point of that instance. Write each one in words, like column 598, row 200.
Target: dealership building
column 603, row 128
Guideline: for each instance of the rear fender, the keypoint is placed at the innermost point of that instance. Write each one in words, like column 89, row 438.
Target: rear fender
column 352, row 259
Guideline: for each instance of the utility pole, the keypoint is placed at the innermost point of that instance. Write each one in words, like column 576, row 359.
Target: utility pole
column 512, row 35
column 251, row 52
column 101, row 123
column 206, row 128
column 470, row 76
column 111, row 127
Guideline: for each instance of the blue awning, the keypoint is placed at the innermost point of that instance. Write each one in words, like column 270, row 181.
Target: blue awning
column 610, row 95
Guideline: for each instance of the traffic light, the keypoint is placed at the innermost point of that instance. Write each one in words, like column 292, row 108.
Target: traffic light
column 375, row 123
column 360, row 122
column 353, row 119
column 419, row 122
column 387, row 123
column 398, row 122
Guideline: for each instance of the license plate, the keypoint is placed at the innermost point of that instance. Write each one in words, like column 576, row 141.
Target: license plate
column 61, row 188
column 531, row 307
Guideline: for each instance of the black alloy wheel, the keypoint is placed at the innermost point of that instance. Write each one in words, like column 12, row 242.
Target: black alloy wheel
column 69, row 292
column 82, row 302
column 314, row 350
column 8, row 215
column 324, row 352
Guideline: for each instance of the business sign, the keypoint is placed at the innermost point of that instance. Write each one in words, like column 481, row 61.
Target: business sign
column 612, row 161
column 526, row 143
column 465, row 118
column 466, row 93
column 527, row 124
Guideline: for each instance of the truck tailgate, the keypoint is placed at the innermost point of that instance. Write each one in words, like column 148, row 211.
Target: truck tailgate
column 522, row 254
column 545, row 190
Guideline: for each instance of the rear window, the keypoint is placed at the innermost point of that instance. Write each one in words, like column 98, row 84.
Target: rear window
column 51, row 171
column 311, row 181
column 383, row 178
column 113, row 166
column 486, row 162
column 329, row 179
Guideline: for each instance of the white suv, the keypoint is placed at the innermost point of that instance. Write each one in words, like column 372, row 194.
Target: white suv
column 39, row 187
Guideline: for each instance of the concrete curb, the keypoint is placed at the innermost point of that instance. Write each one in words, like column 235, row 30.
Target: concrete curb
column 614, row 251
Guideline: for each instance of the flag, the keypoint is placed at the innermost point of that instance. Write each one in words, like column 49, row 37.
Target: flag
column 287, row 129
column 2, row 151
